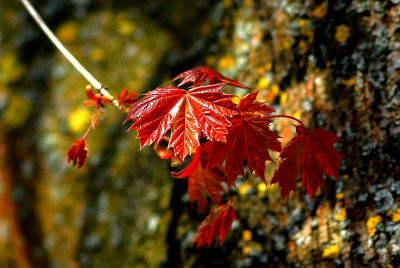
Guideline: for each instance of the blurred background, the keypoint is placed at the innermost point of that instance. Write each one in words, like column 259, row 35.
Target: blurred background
column 334, row 64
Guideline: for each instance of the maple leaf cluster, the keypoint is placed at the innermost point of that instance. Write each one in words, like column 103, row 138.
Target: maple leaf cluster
column 220, row 135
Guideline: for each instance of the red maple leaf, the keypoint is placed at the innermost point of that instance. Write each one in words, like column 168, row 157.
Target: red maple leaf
column 202, row 182
column 311, row 153
column 201, row 74
column 249, row 137
column 126, row 99
column 217, row 223
column 78, row 153
column 186, row 113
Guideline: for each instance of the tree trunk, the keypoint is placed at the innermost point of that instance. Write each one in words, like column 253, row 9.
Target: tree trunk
column 334, row 64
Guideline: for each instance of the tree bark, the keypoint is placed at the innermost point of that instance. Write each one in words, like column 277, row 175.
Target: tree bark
column 333, row 64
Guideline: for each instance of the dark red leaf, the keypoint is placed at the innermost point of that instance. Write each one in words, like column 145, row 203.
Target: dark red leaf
column 217, row 223
column 249, row 137
column 186, row 113
column 190, row 168
column 311, row 153
column 201, row 182
column 212, row 182
column 201, row 74
column 250, row 107
column 78, row 153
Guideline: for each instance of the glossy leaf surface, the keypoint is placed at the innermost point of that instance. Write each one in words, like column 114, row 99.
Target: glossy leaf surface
column 249, row 138
column 217, row 223
column 187, row 113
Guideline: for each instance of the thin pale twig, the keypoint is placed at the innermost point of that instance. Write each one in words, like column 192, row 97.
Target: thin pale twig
column 65, row 52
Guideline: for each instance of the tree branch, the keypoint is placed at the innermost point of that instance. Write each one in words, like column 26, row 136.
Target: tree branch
column 96, row 84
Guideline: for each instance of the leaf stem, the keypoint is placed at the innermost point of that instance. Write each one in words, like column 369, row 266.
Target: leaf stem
column 286, row 116
column 65, row 52
column 87, row 131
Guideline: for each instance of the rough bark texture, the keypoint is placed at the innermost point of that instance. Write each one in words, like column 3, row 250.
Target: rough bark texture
column 334, row 64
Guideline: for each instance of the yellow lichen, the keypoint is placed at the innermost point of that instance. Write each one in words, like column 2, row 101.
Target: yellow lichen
column 342, row 33
column 371, row 224
column 286, row 43
column 330, row 251
column 227, row 3
column 244, row 188
column 249, row 3
column 246, row 250
column 125, row 26
column 247, row 235
column 268, row 66
column 253, row 248
column 262, row 187
column 68, row 32
column 263, row 83
column 79, row 120
column 226, row 62
column 275, row 89
column 320, row 11
column 98, row 54
column 10, row 69
column 396, row 215
column 17, row 111
column 305, row 29
column 339, row 196
column 284, row 97
column 297, row 115
column 341, row 215
column 303, row 47
column 349, row 82
column 302, row 23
